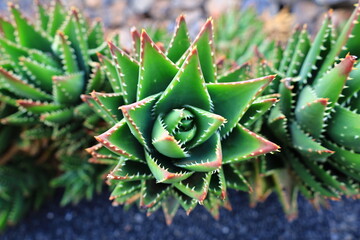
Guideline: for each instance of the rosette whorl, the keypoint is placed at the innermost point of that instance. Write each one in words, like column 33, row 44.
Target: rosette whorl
column 179, row 122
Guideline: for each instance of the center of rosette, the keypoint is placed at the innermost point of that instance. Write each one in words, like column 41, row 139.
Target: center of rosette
column 185, row 128
column 172, row 131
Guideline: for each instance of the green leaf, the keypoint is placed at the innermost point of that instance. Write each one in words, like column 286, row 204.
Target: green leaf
column 185, row 201
column 127, row 170
column 42, row 16
column 7, row 29
column 308, row 178
column 119, row 140
column 100, row 151
column 205, row 157
column 352, row 84
column 235, row 179
column 311, row 117
column 332, row 83
column 352, row 31
column 170, row 207
column 98, row 109
column 301, row 49
column 128, row 70
column 22, row 88
column 286, row 96
column 289, row 51
column 152, row 193
column 164, row 171
column 236, row 74
column 20, row 118
column 343, row 156
column 27, row 34
column 287, row 191
column 156, row 70
column 123, row 189
column 242, row 144
column 57, row 17
column 110, row 102
column 344, row 128
column 175, row 117
column 348, row 30
column 111, row 72
column 231, row 100
column 39, row 73
column 218, row 184
column 74, row 28
column 58, row 117
column 204, row 43
column 196, row 186
column 67, row 54
column 325, row 176
column 38, row 107
column 13, row 50
column 317, row 46
column 43, row 57
column 96, row 78
column 256, row 110
column 212, row 204
column 95, row 35
column 344, row 169
column 136, row 42
column 180, row 41
column 310, row 112
column 68, row 88
column 278, row 55
column 165, row 143
column 139, row 118
column 207, row 124
column 307, row 146
column 187, row 88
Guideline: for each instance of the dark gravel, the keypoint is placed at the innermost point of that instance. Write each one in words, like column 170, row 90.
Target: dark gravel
column 99, row 220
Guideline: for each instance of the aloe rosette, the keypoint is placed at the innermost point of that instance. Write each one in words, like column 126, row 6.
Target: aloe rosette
column 176, row 138
column 45, row 66
column 317, row 118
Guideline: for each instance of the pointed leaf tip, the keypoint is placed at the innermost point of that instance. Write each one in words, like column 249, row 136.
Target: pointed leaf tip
column 112, row 47
column 348, row 63
column 323, row 101
column 181, row 18
column 11, row 5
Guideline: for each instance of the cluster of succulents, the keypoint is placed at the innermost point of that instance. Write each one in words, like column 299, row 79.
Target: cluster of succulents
column 176, row 125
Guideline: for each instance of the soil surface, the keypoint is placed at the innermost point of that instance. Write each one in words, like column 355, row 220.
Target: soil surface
column 99, row 220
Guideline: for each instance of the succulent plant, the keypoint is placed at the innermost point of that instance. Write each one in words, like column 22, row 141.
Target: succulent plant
column 175, row 137
column 44, row 68
column 23, row 182
column 317, row 118
column 237, row 33
column 240, row 32
column 24, row 186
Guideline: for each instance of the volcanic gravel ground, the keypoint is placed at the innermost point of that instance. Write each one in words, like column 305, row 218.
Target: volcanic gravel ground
column 99, row 220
